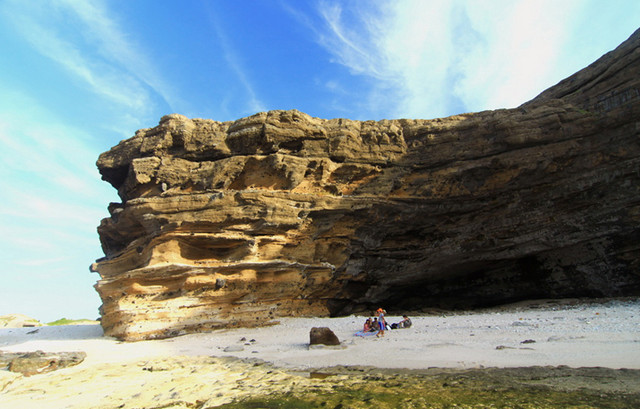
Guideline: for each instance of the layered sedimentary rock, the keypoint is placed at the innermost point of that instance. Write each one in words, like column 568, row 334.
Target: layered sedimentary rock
column 282, row 214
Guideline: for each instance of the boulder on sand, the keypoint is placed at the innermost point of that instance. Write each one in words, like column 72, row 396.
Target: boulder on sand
column 322, row 336
column 33, row 363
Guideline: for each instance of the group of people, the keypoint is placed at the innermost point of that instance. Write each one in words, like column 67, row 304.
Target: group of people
column 379, row 324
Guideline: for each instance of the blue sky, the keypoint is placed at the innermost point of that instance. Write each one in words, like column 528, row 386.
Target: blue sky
column 77, row 77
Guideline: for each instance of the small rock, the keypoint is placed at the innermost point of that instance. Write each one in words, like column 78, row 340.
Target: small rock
column 234, row 348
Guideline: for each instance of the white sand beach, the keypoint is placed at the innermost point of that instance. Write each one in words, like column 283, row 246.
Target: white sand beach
column 211, row 369
column 543, row 333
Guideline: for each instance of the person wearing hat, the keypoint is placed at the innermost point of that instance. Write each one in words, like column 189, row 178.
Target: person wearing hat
column 381, row 322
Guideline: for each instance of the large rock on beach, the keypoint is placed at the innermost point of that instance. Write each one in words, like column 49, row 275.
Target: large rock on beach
column 39, row 362
column 322, row 336
column 226, row 224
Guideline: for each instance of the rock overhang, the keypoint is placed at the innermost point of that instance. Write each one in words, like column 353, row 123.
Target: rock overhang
column 280, row 213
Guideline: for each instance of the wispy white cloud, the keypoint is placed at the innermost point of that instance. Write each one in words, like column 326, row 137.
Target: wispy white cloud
column 44, row 210
column 116, row 46
column 430, row 59
column 52, row 198
column 86, row 41
column 254, row 103
column 42, row 151
column 41, row 262
column 359, row 51
column 511, row 69
column 49, row 211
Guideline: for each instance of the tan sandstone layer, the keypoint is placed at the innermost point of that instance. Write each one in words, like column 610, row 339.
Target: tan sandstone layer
column 281, row 214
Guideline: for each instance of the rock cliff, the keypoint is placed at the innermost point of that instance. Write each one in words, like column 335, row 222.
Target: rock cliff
column 279, row 214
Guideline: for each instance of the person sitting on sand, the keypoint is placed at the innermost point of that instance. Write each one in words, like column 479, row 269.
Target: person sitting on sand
column 405, row 323
column 367, row 325
column 375, row 326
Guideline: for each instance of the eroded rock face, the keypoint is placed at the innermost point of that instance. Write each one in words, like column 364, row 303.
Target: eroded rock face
column 282, row 214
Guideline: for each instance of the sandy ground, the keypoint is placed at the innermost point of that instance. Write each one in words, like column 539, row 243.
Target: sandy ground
column 567, row 345
column 543, row 333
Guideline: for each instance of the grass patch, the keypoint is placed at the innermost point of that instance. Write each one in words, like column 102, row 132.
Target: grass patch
column 65, row 321
column 421, row 393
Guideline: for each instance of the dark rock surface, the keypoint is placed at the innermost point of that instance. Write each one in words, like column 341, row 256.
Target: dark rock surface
column 34, row 363
column 281, row 214
column 322, row 336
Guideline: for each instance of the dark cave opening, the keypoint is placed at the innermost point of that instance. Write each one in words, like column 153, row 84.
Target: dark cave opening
column 480, row 285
